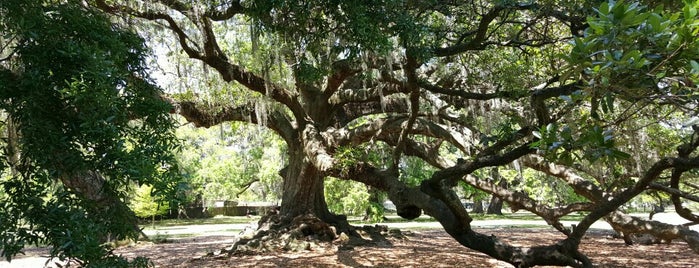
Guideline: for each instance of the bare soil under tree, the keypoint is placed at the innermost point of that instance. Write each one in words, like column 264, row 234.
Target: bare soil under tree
column 422, row 248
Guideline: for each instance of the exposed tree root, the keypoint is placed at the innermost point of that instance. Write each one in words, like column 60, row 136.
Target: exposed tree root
column 306, row 232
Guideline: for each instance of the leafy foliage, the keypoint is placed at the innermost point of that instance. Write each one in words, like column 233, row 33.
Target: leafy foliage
column 236, row 161
column 630, row 51
column 89, row 124
column 347, row 197
column 145, row 205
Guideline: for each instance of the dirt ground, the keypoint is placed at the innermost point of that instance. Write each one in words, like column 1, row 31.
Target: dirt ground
column 426, row 248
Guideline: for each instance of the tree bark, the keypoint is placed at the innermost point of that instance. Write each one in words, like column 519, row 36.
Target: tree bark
column 477, row 205
column 441, row 204
column 304, row 192
column 495, row 206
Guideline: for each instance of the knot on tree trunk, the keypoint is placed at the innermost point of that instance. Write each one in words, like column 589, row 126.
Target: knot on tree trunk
column 409, row 212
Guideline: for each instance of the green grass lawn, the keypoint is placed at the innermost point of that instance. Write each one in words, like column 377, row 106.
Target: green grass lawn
column 163, row 227
column 356, row 220
column 213, row 220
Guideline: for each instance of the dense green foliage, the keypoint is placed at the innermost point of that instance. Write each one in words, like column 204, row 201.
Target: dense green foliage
column 145, row 205
column 234, row 162
column 88, row 124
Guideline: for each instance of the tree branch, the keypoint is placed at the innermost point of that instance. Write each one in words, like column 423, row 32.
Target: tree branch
column 402, row 195
column 212, row 55
column 673, row 191
column 522, row 200
column 414, row 89
column 246, row 187
column 211, row 116
column 383, row 127
column 233, row 9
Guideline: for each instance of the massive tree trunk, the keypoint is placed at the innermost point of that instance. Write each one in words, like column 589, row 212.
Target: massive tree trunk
column 304, row 191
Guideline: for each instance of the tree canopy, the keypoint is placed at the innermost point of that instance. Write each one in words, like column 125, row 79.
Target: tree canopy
column 598, row 96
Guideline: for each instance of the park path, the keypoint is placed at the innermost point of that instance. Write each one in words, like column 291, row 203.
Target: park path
column 36, row 257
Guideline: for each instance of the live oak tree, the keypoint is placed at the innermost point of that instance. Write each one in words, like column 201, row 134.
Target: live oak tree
column 557, row 86
column 563, row 87
column 82, row 123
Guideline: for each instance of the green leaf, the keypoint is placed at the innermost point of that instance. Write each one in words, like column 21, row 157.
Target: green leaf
column 617, row 154
column 603, row 9
column 690, row 12
column 695, row 66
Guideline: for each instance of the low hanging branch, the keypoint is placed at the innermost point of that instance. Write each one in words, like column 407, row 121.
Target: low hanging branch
column 246, row 186
column 674, row 191
column 561, row 253
column 624, row 224
column 522, row 200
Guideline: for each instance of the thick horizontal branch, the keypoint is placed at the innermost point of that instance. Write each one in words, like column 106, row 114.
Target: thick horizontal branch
column 621, row 222
column 428, row 153
column 465, row 94
column 464, row 168
column 674, row 191
column 363, row 95
column 522, row 200
column 390, row 127
column 351, row 111
column 234, row 8
column 580, row 185
column 211, row 116
column 606, row 207
column 663, row 231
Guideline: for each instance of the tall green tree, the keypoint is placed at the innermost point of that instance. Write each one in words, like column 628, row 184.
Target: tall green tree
column 464, row 86
column 84, row 123
column 237, row 162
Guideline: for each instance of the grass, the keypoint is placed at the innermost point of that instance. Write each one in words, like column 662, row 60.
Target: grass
column 214, row 220
column 390, row 218
column 173, row 224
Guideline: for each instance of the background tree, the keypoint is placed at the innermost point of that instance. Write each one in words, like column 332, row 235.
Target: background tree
column 145, row 205
column 464, row 87
column 236, row 161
